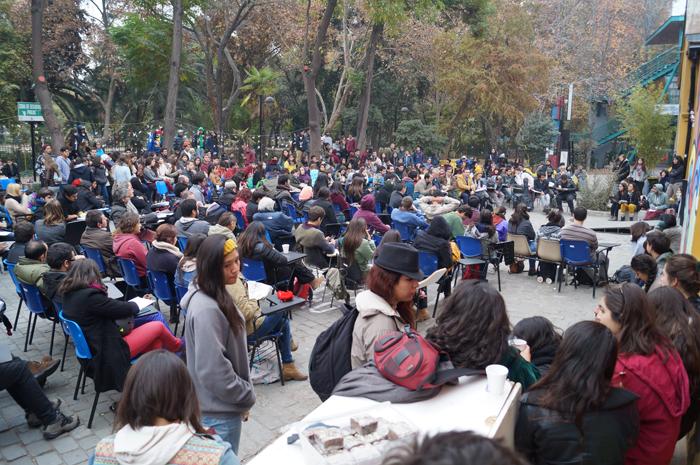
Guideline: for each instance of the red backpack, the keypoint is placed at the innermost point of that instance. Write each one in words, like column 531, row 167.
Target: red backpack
column 407, row 359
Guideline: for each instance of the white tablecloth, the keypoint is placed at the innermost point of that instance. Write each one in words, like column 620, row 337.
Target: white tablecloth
column 467, row 406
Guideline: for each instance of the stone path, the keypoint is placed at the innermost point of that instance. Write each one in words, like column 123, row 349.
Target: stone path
column 276, row 405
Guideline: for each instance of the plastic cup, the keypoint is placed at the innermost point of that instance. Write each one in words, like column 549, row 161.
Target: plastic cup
column 285, row 248
column 496, row 378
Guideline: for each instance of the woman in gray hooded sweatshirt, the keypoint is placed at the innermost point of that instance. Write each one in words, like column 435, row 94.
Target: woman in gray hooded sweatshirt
column 217, row 355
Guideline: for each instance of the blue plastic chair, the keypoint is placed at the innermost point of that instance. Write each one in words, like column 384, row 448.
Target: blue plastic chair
column 58, row 306
column 96, row 256
column 268, row 237
column 378, row 208
column 82, row 351
column 377, row 238
column 10, row 267
column 405, row 230
column 163, row 289
column 182, row 243
column 6, row 182
column 577, row 255
column 36, row 306
column 240, row 221
column 353, row 210
column 161, row 188
column 469, row 246
column 254, row 270
column 130, row 275
column 428, row 264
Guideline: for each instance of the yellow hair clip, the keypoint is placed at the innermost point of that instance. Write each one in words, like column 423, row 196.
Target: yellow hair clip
column 229, row 246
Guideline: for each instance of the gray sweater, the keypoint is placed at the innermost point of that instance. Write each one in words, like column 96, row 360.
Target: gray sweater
column 217, row 359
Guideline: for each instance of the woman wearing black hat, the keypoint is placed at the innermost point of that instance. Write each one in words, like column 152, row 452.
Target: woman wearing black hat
column 387, row 304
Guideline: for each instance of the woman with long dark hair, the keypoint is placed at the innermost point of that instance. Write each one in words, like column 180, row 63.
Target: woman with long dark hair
column 357, row 189
column 574, row 414
column 253, row 245
column 357, row 245
column 682, row 271
column 217, row 352
column 387, row 304
column 472, row 327
column 158, row 424
column 519, row 223
column 680, row 323
column 649, row 366
column 542, row 338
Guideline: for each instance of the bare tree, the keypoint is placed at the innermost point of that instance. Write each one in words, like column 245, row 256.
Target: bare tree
column 41, row 89
column 363, row 108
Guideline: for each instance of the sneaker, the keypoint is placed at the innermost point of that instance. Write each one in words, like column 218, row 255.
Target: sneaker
column 33, row 420
column 540, row 279
column 62, row 424
column 549, row 281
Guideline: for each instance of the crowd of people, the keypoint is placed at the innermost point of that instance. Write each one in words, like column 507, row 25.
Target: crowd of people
column 622, row 388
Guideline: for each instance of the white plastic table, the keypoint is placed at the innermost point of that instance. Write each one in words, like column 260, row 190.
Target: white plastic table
column 464, row 407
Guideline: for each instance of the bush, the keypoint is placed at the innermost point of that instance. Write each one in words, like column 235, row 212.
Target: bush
column 596, row 194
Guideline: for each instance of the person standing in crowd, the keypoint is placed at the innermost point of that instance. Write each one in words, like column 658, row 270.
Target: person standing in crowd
column 649, row 366
column 156, row 424
column 574, row 414
column 217, row 352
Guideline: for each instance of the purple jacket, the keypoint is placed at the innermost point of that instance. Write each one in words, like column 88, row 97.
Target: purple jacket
column 366, row 212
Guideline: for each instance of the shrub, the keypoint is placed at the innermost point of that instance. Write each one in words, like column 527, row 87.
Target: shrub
column 596, row 194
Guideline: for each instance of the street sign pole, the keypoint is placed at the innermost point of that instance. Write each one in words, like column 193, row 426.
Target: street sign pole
column 31, row 132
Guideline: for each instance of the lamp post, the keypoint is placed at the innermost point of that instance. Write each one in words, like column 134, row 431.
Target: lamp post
column 268, row 100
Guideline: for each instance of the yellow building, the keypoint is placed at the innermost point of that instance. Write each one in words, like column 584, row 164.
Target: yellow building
column 688, row 135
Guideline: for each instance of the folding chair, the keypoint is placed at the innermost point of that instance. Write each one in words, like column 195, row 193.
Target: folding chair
column 96, row 255
column 549, row 251
column 255, row 343
column 428, row 264
column 253, row 270
column 240, row 221
column 472, row 251
column 182, row 243
column 131, row 276
column 164, row 289
column 406, row 231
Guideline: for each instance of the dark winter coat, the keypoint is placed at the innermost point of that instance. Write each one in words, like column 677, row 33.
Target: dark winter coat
column 545, row 437
column 436, row 240
column 95, row 313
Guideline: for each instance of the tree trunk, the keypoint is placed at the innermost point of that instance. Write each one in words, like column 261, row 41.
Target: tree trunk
column 174, row 78
column 310, row 73
column 107, row 128
column 365, row 97
column 41, row 89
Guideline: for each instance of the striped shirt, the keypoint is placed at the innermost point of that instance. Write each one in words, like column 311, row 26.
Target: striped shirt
column 578, row 232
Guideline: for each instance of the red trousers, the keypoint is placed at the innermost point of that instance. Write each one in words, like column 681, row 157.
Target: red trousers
column 151, row 336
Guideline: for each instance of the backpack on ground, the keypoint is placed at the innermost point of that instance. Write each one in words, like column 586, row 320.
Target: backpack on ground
column 330, row 356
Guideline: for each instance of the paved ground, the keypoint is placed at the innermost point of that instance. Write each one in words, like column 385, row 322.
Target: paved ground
column 276, row 405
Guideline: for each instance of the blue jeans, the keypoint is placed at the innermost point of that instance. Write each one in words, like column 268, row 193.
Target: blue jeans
column 278, row 322
column 229, row 428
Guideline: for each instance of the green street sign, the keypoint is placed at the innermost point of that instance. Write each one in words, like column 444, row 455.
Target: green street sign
column 29, row 111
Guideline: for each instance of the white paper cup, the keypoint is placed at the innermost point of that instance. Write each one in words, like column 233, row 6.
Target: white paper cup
column 519, row 344
column 285, row 248
column 496, row 378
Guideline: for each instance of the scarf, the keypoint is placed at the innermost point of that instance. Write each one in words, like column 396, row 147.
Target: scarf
column 167, row 247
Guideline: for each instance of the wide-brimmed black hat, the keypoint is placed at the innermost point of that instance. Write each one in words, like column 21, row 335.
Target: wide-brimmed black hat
column 400, row 258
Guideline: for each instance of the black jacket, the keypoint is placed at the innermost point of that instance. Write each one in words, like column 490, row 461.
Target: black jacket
column 276, row 267
column 81, row 172
column 87, row 199
column 436, row 240
column 545, row 438
column 52, row 279
column 330, row 217
column 524, row 228
column 250, row 210
column 95, row 313
column 69, row 208
column 622, row 171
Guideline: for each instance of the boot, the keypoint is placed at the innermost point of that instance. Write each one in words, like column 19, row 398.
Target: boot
column 623, row 217
column 33, row 421
column 422, row 315
column 62, row 424
column 43, row 369
column 291, row 373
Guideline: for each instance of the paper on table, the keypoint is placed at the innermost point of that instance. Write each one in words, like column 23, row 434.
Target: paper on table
column 258, row 291
column 141, row 302
column 433, row 278
column 5, row 233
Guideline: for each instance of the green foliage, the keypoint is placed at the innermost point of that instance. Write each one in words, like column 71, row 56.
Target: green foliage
column 15, row 70
column 596, row 194
column 650, row 132
column 262, row 81
column 144, row 44
column 536, row 135
column 411, row 133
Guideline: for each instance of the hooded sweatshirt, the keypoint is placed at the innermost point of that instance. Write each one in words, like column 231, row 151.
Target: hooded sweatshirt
column 366, row 212
column 436, row 240
column 187, row 226
column 161, row 445
column 375, row 317
column 661, row 382
column 223, row 230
